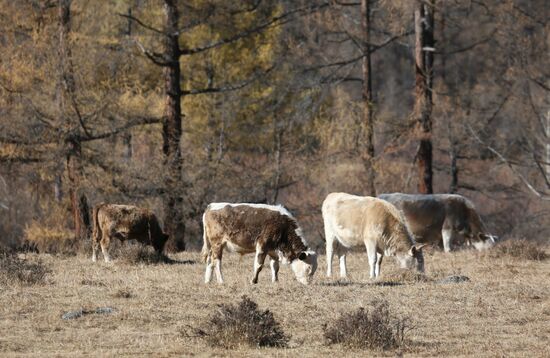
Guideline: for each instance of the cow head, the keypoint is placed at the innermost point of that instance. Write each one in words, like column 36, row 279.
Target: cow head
column 414, row 258
column 304, row 266
column 160, row 241
column 483, row 241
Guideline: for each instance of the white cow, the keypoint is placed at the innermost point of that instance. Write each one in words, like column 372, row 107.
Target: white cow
column 362, row 220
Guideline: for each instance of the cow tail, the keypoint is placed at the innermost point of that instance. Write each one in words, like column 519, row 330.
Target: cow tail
column 97, row 229
column 206, row 244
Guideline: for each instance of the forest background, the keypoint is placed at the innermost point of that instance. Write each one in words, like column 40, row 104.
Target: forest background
column 174, row 104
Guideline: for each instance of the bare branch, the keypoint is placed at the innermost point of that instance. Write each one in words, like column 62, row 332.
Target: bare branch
column 225, row 88
column 532, row 189
column 135, row 122
column 142, row 24
column 275, row 21
column 467, row 48
column 157, row 58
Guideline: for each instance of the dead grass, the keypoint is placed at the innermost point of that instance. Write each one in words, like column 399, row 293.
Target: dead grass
column 373, row 328
column 502, row 311
column 231, row 326
column 16, row 271
column 519, row 249
column 404, row 277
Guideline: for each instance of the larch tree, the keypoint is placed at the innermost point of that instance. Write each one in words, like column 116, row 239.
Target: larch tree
column 423, row 55
column 368, row 111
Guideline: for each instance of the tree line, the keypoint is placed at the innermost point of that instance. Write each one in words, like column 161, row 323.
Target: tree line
column 174, row 104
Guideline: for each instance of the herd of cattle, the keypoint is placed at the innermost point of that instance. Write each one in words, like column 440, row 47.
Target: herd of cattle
column 398, row 225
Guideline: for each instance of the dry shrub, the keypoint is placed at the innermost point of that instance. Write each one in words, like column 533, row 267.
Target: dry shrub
column 123, row 293
column 520, row 249
column 405, row 276
column 47, row 239
column 368, row 329
column 50, row 233
column 14, row 270
column 243, row 324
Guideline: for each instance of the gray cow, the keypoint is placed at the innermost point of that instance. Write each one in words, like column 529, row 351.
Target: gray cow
column 442, row 218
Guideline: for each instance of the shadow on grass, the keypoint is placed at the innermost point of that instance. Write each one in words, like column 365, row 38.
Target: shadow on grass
column 170, row 261
column 360, row 284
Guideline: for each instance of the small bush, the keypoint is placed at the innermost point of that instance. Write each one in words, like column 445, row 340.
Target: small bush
column 405, row 276
column 49, row 239
column 374, row 329
column 243, row 324
column 16, row 271
column 123, row 293
column 519, row 248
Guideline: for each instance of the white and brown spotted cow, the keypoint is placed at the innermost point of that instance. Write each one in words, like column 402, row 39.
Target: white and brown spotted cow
column 363, row 220
column 265, row 230
column 125, row 222
column 442, row 219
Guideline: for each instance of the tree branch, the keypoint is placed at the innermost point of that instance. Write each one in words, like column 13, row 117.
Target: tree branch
column 277, row 20
column 540, row 195
column 157, row 58
column 138, row 121
column 142, row 24
column 225, row 88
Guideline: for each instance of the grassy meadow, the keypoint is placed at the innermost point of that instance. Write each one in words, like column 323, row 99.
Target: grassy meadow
column 504, row 310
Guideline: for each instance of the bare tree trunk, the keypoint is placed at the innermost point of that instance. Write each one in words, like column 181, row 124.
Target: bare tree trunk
column 171, row 131
column 67, row 93
column 424, row 47
column 368, row 152
column 278, row 130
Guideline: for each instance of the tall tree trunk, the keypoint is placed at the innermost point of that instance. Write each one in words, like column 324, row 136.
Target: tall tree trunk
column 368, row 117
column 424, row 48
column 72, row 142
column 171, row 132
column 278, row 130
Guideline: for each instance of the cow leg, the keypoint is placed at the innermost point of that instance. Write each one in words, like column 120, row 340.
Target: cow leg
column 217, row 252
column 209, row 268
column 341, row 252
column 258, row 264
column 105, row 243
column 95, row 246
column 330, row 254
column 274, row 269
column 447, row 235
column 379, row 258
column 372, row 255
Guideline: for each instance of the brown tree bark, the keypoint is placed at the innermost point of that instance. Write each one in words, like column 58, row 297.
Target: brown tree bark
column 424, row 48
column 171, row 132
column 368, row 117
column 67, row 103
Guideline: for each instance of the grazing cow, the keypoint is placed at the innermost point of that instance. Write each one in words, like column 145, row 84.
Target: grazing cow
column 363, row 220
column 442, row 219
column 256, row 228
column 125, row 222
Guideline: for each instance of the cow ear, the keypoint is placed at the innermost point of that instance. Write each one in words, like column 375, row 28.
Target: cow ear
column 482, row 236
column 420, row 247
column 302, row 256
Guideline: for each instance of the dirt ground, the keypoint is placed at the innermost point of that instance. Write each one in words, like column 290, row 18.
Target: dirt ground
column 503, row 311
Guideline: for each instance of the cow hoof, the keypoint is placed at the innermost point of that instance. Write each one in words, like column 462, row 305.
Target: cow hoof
column 253, row 281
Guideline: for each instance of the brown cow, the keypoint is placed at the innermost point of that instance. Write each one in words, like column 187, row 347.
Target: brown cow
column 125, row 222
column 256, row 228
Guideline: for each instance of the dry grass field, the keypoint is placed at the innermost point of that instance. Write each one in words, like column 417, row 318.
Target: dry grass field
column 504, row 310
